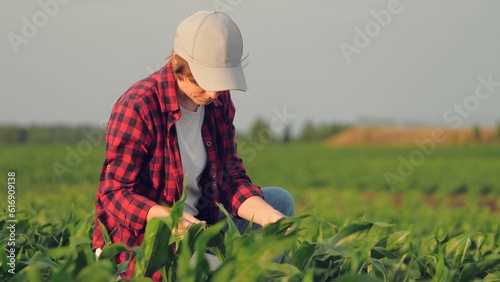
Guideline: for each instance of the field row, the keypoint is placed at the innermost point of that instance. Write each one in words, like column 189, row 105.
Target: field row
column 296, row 166
column 338, row 184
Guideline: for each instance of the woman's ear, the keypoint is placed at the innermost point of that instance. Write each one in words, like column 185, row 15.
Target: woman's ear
column 174, row 57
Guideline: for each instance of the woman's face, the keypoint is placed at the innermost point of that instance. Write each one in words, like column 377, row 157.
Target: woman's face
column 197, row 94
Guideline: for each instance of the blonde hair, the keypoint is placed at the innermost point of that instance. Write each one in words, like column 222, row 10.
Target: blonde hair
column 181, row 69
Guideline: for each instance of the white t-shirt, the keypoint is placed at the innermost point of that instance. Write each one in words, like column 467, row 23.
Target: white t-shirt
column 193, row 154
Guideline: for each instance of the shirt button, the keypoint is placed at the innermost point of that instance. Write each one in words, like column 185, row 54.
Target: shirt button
column 209, row 143
column 213, row 165
column 214, row 175
column 108, row 167
column 213, row 183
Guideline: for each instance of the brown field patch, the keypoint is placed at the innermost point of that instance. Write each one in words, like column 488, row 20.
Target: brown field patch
column 411, row 136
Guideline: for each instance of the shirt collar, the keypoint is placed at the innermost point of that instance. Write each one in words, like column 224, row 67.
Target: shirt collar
column 166, row 89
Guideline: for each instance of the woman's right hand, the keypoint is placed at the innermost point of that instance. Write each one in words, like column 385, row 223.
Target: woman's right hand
column 187, row 220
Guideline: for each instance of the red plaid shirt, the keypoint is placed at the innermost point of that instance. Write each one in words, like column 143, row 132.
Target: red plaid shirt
column 143, row 165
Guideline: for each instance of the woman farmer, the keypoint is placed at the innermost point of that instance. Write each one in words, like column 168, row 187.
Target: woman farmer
column 174, row 127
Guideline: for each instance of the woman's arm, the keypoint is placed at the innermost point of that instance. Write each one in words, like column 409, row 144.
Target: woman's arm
column 128, row 140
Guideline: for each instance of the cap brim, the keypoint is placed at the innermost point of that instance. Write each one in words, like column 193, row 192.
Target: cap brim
column 219, row 78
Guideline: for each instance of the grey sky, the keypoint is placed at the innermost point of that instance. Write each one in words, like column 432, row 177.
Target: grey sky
column 422, row 65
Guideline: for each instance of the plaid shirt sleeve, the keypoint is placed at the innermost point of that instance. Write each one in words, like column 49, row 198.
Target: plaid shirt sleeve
column 127, row 139
column 238, row 186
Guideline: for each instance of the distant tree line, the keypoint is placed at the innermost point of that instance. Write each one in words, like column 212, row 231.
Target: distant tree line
column 260, row 132
column 45, row 134
column 317, row 132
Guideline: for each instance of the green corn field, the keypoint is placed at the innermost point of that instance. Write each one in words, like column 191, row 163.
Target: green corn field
column 441, row 222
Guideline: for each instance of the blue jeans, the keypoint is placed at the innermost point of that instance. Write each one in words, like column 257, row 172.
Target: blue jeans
column 278, row 198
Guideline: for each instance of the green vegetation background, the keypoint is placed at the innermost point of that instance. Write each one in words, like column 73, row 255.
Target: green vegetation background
column 450, row 191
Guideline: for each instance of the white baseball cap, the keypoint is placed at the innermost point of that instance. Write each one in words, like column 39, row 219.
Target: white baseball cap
column 211, row 43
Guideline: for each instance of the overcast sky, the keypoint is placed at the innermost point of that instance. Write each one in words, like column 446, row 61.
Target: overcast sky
column 428, row 62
